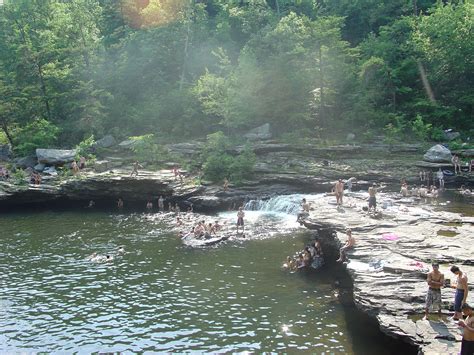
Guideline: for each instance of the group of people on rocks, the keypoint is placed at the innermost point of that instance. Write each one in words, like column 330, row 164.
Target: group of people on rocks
column 310, row 256
column 422, row 191
column 436, row 281
column 202, row 230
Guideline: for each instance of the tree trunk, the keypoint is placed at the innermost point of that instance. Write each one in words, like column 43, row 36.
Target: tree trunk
column 186, row 44
column 43, row 90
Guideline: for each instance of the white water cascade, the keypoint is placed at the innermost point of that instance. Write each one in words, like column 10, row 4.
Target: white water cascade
column 289, row 204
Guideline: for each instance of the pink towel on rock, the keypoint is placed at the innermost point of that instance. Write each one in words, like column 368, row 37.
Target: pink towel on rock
column 390, row 236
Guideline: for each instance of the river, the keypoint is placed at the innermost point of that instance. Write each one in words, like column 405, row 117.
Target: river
column 161, row 296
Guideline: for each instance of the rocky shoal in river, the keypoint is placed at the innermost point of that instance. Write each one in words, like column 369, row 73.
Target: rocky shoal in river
column 389, row 264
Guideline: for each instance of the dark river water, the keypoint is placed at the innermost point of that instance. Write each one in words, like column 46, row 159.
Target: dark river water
column 161, row 296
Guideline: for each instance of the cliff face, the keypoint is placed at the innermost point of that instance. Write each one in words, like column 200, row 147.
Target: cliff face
column 393, row 254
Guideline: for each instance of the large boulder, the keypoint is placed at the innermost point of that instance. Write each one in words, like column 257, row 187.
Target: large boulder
column 105, row 142
column 438, row 154
column 262, row 132
column 26, row 162
column 55, row 156
column 451, row 135
column 5, row 151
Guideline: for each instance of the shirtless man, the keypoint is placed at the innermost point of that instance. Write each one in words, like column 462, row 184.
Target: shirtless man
column 339, row 191
column 467, row 344
column 461, row 291
column 440, row 177
column 435, row 281
column 135, row 167
column 161, row 204
column 304, row 210
column 372, row 196
column 404, row 189
column 456, row 163
column 350, row 242
column 240, row 219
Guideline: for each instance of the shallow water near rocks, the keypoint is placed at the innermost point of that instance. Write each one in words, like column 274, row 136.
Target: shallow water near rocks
column 161, row 296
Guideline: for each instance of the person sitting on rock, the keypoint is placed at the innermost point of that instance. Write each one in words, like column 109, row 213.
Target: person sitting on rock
column 304, row 211
column 82, row 162
column 74, row 167
column 404, row 190
column 216, row 227
column 350, row 243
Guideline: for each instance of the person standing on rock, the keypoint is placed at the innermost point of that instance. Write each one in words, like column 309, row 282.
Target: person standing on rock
column 440, row 177
column 467, row 344
column 372, row 197
column 120, row 203
column 135, row 167
column 456, row 163
column 240, row 219
column 435, row 280
column 339, row 191
column 161, row 204
column 461, row 291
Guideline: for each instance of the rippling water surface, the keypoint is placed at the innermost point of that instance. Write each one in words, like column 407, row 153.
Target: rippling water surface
column 160, row 296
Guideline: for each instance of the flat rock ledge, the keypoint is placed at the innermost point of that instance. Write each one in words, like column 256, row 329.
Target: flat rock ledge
column 388, row 267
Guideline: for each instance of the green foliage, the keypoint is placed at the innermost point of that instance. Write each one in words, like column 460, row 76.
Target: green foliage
column 183, row 69
column 19, row 177
column 218, row 164
column 85, row 147
column 37, row 134
column 420, row 129
column 437, row 134
column 146, row 149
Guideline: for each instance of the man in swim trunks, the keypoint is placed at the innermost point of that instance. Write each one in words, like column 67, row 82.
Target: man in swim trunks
column 240, row 219
column 339, row 191
column 372, row 197
column 461, row 291
column 467, row 344
column 435, row 281
column 304, row 211
column 440, row 176
column 349, row 245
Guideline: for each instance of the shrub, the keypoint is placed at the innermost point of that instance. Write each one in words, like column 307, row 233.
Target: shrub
column 420, row 129
column 437, row 134
column 219, row 165
column 146, row 149
column 37, row 134
column 85, row 148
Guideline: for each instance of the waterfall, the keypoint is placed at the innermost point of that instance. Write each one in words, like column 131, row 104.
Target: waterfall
column 289, row 204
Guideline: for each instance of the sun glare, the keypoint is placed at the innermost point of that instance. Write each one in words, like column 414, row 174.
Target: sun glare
column 153, row 13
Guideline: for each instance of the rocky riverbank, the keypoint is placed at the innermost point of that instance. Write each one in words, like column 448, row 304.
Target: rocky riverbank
column 394, row 250
column 388, row 273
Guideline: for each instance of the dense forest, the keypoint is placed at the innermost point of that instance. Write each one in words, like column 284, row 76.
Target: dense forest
column 183, row 69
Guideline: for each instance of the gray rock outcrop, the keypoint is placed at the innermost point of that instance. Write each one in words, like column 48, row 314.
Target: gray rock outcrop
column 26, row 162
column 106, row 142
column 438, row 154
column 5, row 152
column 55, row 156
column 389, row 264
column 39, row 167
column 259, row 133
